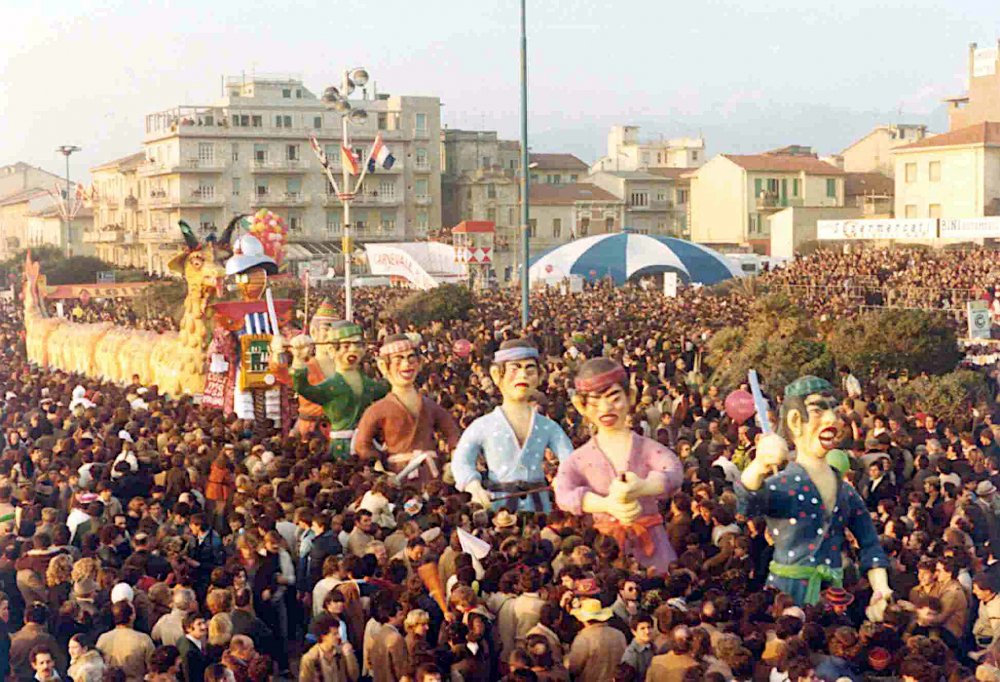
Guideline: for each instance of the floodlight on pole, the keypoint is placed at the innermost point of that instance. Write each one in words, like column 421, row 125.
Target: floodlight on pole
column 67, row 150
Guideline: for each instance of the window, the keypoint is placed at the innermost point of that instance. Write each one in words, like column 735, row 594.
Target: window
column 639, row 199
column 574, row 178
column 333, row 222
column 282, row 121
column 491, row 214
column 298, row 94
column 421, row 155
column 584, row 226
column 256, row 121
column 332, row 152
column 236, row 152
column 910, row 211
column 659, row 157
column 911, row 172
column 491, row 191
column 934, row 171
column 795, row 187
column 207, row 222
column 831, row 188
column 205, row 190
column 934, row 211
column 512, row 216
column 387, row 189
column 388, row 223
column 682, row 196
column 609, row 224
column 534, row 177
column 293, row 188
column 236, row 187
column 422, row 222
column 286, row 93
column 694, row 156
column 260, row 153
column 206, row 152
column 383, row 121
column 532, row 227
column 661, row 196
column 261, row 189
column 420, row 189
column 421, row 123
column 294, row 221
column 317, row 122
column 292, row 152
column 556, row 228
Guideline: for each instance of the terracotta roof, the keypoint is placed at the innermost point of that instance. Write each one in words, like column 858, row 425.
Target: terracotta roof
column 671, row 173
column 129, row 162
column 23, row 196
column 868, row 183
column 566, row 195
column 777, row 163
column 987, row 133
column 557, row 162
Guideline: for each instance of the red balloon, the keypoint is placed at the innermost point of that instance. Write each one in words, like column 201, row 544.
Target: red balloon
column 462, row 348
column 549, row 268
column 739, row 406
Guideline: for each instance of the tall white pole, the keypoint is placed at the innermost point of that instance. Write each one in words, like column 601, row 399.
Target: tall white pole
column 346, row 246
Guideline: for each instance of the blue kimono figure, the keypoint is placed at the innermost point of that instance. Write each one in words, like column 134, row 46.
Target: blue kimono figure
column 808, row 537
column 511, row 468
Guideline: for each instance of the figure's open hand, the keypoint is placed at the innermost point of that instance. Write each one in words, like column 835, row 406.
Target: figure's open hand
column 301, row 346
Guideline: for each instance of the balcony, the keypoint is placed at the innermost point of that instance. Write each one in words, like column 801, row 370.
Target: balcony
column 279, row 199
column 152, row 168
column 159, row 198
column 772, row 201
column 422, row 167
column 422, row 200
column 204, row 196
column 279, row 166
column 650, row 206
column 376, row 199
column 106, row 234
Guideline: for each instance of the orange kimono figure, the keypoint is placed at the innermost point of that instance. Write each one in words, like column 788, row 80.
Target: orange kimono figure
column 406, row 421
column 312, row 420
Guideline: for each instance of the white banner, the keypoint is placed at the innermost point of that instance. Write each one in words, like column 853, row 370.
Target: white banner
column 876, row 229
column 670, row 284
column 424, row 264
column 984, row 62
column 979, row 319
column 970, row 228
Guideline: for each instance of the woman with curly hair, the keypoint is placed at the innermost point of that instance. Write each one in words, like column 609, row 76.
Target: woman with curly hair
column 59, row 581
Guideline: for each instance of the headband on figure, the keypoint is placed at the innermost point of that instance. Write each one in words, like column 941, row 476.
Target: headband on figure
column 342, row 329
column 392, row 347
column 601, row 382
column 516, row 353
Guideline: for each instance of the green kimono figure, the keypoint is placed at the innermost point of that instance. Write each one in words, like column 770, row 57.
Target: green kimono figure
column 344, row 393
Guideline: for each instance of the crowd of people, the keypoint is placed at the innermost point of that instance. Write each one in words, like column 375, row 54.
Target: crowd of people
column 147, row 537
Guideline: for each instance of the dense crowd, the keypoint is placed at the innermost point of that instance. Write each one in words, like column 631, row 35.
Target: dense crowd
column 151, row 538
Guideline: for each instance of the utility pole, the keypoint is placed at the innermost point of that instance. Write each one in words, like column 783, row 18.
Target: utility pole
column 525, row 247
column 66, row 150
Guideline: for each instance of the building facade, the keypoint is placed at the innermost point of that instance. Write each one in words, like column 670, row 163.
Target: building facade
column 46, row 227
column 626, row 152
column 556, row 169
column 561, row 213
column 952, row 175
column 251, row 150
column 982, row 101
column 656, row 200
column 873, row 152
column 20, row 176
column 732, row 196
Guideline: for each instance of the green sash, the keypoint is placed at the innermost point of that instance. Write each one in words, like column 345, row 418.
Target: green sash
column 816, row 575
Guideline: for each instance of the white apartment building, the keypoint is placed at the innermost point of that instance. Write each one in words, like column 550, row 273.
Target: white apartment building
column 250, row 150
column 626, row 152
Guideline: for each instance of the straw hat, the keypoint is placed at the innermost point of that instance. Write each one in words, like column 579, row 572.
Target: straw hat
column 504, row 519
column 591, row 610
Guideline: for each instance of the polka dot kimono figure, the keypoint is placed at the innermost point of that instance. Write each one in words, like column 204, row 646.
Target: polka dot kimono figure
column 807, row 504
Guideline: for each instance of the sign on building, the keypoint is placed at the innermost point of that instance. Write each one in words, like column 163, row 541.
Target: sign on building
column 979, row 319
column 876, row 229
column 970, row 228
column 984, row 62
column 670, row 284
column 106, row 277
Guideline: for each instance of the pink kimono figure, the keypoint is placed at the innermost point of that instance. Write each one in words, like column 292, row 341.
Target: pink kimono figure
column 618, row 476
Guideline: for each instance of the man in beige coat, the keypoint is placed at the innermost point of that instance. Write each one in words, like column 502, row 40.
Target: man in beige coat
column 330, row 659
column 389, row 661
column 596, row 652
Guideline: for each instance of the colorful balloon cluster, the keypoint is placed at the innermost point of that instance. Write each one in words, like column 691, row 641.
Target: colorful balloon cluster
column 272, row 232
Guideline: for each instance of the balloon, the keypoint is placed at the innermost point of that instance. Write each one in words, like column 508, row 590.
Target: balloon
column 549, row 268
column 839, row 460
column 739, row 406
column 462, row 348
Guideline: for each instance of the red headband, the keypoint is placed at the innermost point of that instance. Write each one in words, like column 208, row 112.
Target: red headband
column 601, row 382
column 395, row 347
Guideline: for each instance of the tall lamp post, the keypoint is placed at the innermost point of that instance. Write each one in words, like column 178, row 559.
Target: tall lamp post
column 337, row 99
column 525, row 249
column 67, row 150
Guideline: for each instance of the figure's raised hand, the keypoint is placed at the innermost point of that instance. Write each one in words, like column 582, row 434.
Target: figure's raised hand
column 301, row 346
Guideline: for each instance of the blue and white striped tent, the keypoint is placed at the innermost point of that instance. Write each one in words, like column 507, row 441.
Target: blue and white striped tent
column 625, row 255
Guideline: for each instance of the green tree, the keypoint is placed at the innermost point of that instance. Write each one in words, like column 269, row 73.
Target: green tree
column 950, row 396
column 162, row 297
column 779, row 341
column 915, row 340
column 445, row 303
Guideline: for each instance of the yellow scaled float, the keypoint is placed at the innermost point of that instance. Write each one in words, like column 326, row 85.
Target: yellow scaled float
column 173, row 361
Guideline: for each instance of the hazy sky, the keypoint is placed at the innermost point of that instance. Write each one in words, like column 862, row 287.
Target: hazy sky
column 748, row 75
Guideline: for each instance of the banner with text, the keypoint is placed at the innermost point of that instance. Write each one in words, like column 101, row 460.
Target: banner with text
column 970, row 228
column 876, row 229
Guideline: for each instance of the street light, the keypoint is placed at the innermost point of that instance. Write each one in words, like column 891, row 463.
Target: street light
column 66, row 150
column 525, row 248
column 337, row 99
